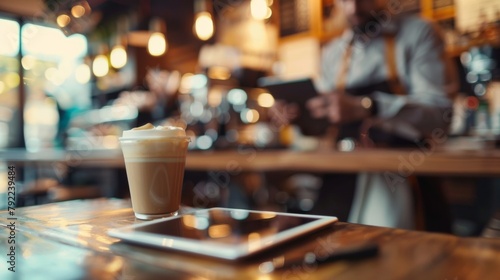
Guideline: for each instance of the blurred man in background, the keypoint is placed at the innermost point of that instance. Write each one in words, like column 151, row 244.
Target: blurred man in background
column 385, row 83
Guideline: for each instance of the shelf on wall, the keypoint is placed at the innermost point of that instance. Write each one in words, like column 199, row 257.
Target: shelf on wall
column 443, row 13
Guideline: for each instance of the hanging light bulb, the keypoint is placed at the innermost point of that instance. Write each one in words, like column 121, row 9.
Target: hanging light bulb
column 204, row 26
column 157, row 45
column 78, row 11
column 259, row 9
column 81, row 9
column 63, row 20
column 100, row 66
column 118, row 56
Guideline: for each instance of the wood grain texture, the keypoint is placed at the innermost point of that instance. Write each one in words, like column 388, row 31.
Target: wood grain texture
column 73, row 234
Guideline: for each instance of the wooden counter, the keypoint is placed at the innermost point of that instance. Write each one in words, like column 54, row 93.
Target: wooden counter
column 403, row 161
column 68, row 241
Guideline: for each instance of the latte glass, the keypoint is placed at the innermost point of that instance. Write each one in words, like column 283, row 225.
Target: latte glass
column 154, row 162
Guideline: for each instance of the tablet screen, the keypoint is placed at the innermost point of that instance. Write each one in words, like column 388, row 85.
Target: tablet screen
column 227, row 226
column 222, row 232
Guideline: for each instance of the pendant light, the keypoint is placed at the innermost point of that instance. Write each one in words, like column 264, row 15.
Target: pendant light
column 157, row 43
column 203, row 24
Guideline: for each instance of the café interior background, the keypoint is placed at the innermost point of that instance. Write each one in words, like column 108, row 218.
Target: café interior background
column 73, row 72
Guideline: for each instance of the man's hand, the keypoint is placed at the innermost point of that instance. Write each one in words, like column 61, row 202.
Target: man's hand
column 338, row 108
column 283, row 113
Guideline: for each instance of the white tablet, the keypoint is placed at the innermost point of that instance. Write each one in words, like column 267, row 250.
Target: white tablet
column 222, row 232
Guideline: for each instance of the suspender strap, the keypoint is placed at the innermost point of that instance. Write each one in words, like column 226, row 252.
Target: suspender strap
column 344, row 68
column 390, row 57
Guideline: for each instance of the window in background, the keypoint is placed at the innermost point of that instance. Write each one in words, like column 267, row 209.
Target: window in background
column 56, row 83
column 9, row 94
column 9, row 82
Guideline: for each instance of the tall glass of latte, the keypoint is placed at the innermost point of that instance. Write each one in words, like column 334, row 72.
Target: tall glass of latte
column 154, row 160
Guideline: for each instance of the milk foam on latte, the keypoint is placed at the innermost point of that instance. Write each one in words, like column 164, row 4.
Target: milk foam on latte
column 148, row 131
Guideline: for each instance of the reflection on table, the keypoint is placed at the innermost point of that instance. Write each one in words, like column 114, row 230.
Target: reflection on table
column 68, row 240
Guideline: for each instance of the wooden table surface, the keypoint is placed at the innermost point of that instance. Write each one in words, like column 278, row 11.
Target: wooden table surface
column 400, row 161
column 68, row 240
